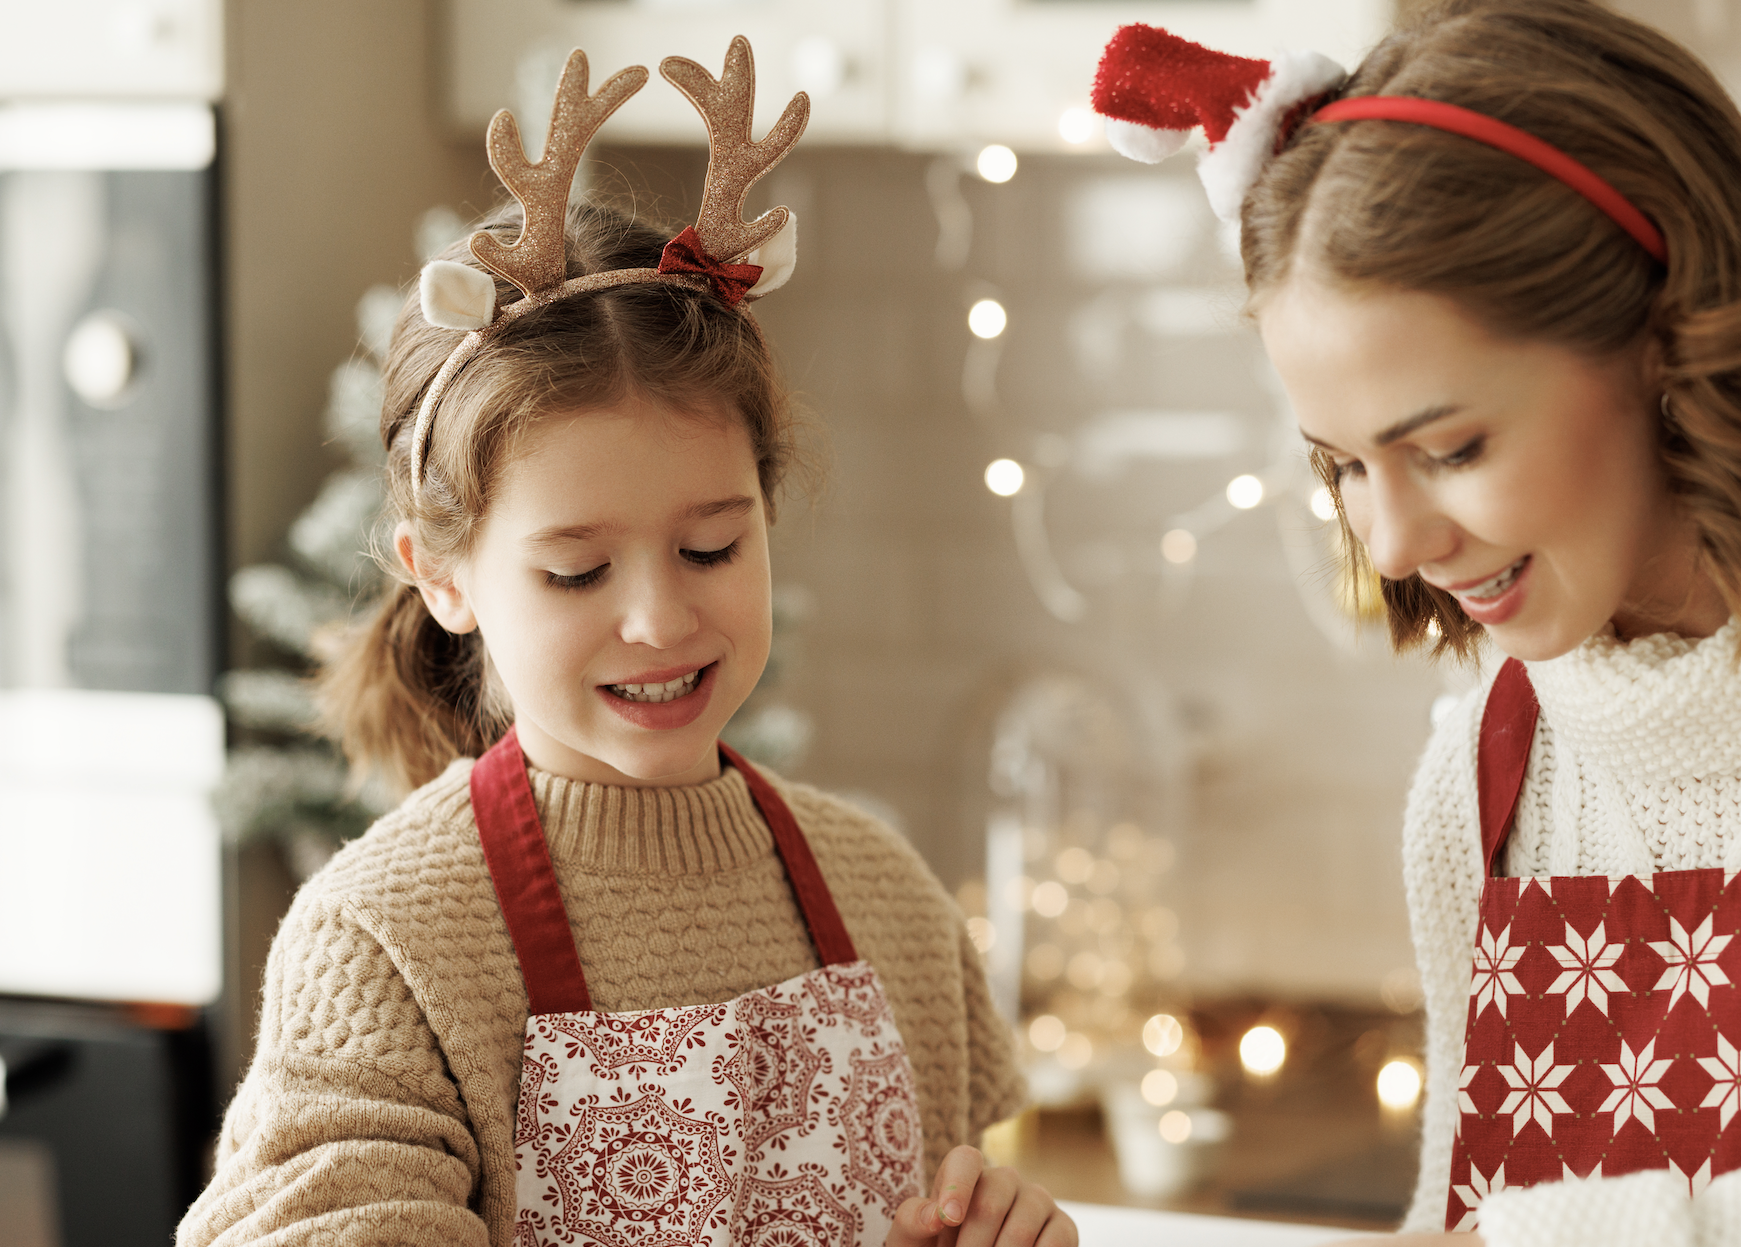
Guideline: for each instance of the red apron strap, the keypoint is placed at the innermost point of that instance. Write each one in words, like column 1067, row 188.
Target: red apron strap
column 833, row 944
column 1507, row 729
column 525, row 880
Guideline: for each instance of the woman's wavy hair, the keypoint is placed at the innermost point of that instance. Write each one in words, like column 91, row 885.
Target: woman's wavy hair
column 404, row 696
column 1378, row 203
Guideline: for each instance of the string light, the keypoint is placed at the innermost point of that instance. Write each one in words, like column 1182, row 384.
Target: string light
column 987, row 319
column 1262, row 1050
column 1399, row 1084
column 1076, row 125
column 996, row 163
column 1176, row 1126
column 1245, row 492
column 1162, row 1034
column 1047, row 1033
column 1323, row 505
column 1179, row 546
column 1050, row 899
column 1160, row 1087
column 1005, row 477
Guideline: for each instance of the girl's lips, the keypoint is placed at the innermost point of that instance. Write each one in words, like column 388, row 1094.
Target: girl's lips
column 1500, row 609
column 665, row 716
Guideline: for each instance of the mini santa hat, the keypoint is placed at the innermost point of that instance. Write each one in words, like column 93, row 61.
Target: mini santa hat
column 1153, row 88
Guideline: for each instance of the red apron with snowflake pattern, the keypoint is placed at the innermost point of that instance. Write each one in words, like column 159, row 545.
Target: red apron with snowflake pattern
column 1603, row 1012
column 784, row 1117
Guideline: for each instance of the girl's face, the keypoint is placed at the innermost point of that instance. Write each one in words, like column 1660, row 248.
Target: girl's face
column 621, row 582
column 1520, row 476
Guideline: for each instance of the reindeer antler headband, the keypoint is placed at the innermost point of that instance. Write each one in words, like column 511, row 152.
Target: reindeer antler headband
column 1153, row 88
column 721, row 252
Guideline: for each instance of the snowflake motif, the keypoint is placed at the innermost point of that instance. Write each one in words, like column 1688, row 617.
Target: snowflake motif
column 1533, row 1093
column 1465, row 1103
column 1479, row 1188
column 1587, row 969
column 1725, row 1067
column 1697, row 1180
column 1493, row 980
column 1635, row 1091
column 1692, row 962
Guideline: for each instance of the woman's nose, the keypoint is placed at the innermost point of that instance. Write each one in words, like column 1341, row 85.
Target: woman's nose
column 658, row 613
column 1405, row 529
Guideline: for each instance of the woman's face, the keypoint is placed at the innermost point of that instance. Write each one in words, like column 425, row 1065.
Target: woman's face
column 621, row 582
column 1520, row 476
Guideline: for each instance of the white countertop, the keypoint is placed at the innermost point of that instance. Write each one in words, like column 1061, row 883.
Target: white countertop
column 1101, row 1226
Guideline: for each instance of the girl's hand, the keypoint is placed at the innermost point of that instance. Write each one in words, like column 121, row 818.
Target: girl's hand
column 973, row 1206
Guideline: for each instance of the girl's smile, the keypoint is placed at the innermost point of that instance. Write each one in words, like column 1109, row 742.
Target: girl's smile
column 1521, row 477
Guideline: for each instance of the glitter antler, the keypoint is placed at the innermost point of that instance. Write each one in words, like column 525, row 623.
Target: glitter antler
column 735, row 163
column 538, row 259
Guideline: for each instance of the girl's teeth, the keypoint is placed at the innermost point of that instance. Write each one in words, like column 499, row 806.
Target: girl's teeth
column 1495, row 585
column 670, row 690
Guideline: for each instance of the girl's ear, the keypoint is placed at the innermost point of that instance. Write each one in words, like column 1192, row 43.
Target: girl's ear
column 444, row 599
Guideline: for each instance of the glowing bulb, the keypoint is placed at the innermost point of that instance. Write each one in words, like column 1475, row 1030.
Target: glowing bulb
column 1162, row 1034
column 1047, row 1033
column 1179, row 546
column 996, row 163
column 987, row 318
column 1050, row 899
column 1176, row 1126
column 1076, row 1051
column 1262, row 1050
column 1245, row 492
column 982, row 933
column 1399, row 1084
column 1004, row 477
column 1323, row 505
column 1076, row 125
column 1075, row 864
column 1160, row 1087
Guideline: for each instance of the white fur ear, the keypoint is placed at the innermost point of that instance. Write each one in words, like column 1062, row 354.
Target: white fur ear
column 456, row 296
column 778, row 257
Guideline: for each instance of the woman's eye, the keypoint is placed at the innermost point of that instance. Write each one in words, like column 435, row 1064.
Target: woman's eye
column 1351, row 468
column 580, row 580
column 710, row 558
column 1463, row 455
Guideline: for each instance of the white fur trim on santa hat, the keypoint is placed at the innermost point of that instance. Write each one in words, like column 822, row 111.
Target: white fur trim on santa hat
column 777, row 257
column 1144, row 143
column 456, row 296
column 1231, row 167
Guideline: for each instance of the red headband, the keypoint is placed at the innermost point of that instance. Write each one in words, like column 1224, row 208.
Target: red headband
column 1509, row 139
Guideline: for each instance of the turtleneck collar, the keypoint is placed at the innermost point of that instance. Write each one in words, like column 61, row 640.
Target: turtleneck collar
column 1655, row 709
column 697, row 829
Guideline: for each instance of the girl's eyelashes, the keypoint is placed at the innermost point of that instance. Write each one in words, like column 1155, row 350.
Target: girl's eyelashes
column 712, row 558
column 580, row 580
column 1343, row 471
column 1464, row 455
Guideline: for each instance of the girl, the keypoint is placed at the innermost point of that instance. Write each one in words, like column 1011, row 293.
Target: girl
column 1498, row 268
column 598, row 980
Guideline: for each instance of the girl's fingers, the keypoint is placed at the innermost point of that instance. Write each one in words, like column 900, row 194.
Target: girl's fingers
column 995, row 1196
column 915, row 1223
column 952, row 1192
column 1060, row 1230
column 1029, row 1214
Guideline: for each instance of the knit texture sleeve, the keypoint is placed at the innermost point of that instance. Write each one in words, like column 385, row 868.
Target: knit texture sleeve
column 348, row 1128
column 1649, row 1209
column 1442, row 879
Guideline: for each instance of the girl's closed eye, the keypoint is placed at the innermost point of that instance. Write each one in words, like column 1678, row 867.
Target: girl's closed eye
column 579, row 580
column 712, row 558
column 1463, row 456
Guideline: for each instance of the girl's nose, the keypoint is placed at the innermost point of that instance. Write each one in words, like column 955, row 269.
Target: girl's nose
column 658, row 612
column 1405, row 530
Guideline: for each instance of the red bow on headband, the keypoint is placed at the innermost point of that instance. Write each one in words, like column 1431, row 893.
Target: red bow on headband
column 684, row 254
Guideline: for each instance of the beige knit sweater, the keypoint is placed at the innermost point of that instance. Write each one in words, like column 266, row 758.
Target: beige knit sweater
column 379, row 1108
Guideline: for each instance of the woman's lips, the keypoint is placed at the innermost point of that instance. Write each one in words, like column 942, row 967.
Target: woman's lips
column 665, row 716
column 1503, row 606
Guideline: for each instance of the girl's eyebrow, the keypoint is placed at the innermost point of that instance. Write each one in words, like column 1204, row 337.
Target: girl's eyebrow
column 1402, row 428
column 737, row 504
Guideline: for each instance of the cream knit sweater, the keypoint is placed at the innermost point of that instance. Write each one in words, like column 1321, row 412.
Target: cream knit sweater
column 379, row 1108
column 1635, row 768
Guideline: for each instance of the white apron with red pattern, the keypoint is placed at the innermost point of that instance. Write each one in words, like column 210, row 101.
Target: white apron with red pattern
column 783, row 1118
column 1603, row 1013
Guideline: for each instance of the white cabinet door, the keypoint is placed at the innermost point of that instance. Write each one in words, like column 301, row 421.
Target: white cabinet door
column 106, row 49
column 969, row 71
column 507, row 53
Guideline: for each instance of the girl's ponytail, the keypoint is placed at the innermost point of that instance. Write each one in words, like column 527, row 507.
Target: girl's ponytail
column 406, row 697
